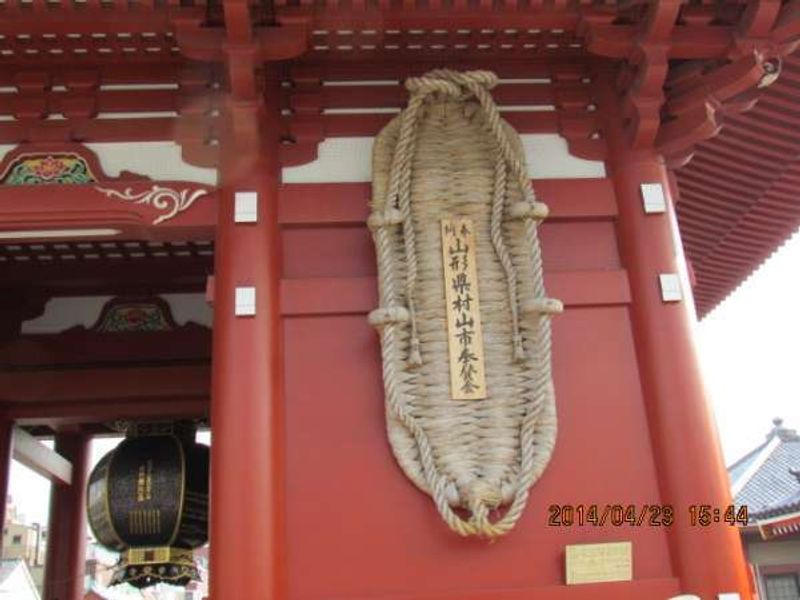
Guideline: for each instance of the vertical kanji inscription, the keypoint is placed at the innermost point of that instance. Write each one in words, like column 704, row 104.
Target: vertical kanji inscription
column 464, row 336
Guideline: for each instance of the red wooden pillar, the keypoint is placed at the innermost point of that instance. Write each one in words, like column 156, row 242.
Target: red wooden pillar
column 67, row 534
column 707, row 560
column 247, row 542
column 6, row 450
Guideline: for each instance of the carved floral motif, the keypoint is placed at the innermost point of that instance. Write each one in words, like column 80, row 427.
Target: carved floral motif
column 130, row 317
column 170, row 202
column 33, row 169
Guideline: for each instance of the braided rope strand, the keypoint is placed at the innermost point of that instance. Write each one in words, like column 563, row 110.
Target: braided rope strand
column 400, row 331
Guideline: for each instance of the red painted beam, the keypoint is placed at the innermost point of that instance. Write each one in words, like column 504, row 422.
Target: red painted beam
column 366, row 124
column 132, row 383
column 83, row 347
column 100, row 277
column 127, row 73
column 114, row 101
column 348, row 203
column 359, row 295
column 82, row 206
column 396, row 96
column 722, row 84
column 197, row 128
column 90, row 19
column 146, row 129
column 686, row 41
column 77, row 412
column 533, row 67
column 66, row 530
column 85, row 206
column 443, row 18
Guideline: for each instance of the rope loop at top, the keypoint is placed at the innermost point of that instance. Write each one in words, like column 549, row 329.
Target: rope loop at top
column 451, row 83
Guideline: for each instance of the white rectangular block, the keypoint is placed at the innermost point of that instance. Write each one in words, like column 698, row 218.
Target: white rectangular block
column 670, row 287
column 653, row 198
column 245, row 207
column 729, row 596
column 245, row 301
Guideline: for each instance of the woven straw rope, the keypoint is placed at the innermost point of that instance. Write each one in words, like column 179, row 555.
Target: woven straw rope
column 449, row 154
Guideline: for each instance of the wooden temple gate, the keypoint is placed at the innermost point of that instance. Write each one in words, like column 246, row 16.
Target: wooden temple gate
column 274, row 100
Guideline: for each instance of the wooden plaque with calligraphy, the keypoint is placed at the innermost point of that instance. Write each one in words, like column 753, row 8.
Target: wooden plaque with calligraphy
column 464, row 334
column 599, row 563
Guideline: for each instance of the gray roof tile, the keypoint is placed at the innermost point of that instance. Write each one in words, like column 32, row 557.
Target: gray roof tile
column 772, row 488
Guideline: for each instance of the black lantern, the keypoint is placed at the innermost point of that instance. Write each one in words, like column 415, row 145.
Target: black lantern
column 148, row 499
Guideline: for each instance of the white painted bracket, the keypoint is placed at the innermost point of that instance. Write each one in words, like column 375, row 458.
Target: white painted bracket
column 729, row 596
column 245, row 302
column 653, row 199
column 245, row 207
column 670, row 287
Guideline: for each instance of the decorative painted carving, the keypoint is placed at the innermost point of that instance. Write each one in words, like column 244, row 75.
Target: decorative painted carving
column 171, row 202
column 43, row 169
column 125, row 315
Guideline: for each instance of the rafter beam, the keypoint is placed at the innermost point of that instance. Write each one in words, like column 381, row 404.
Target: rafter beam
column 58, row 415
column 36, row 456
column 117, row 383
column 94, row 19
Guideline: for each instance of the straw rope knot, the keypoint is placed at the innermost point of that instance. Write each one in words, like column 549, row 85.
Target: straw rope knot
column 543, row 306
column 538, row 211
column 388, row 315
column 451, row 83
column 390, row 216
column 482, row 494
column 428, row 85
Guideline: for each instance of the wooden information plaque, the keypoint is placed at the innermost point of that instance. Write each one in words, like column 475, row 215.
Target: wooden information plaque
column 596, row 563
column 464, row 336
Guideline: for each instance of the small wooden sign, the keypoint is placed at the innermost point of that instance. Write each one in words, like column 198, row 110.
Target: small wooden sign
column 464, row 335
column 597, row 563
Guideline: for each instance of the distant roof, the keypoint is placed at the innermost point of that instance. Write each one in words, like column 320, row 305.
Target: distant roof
column 7, row 567
column 766, row 479
column 789, row 504
column 738, row 195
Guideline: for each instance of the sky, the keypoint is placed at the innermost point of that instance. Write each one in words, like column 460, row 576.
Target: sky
column 748, row 348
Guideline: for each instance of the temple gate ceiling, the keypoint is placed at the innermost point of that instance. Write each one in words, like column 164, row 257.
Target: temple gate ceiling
column 120, row 72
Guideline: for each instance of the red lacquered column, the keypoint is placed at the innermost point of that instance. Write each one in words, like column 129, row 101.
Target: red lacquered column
column 67, row 534
column 247, row 542
column 6, row 429
column 707, row 560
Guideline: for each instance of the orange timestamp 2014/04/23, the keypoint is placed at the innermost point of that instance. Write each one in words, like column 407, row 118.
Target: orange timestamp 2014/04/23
column 645, row 515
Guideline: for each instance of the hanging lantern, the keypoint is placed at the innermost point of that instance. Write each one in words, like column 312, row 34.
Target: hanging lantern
column 148, row 500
